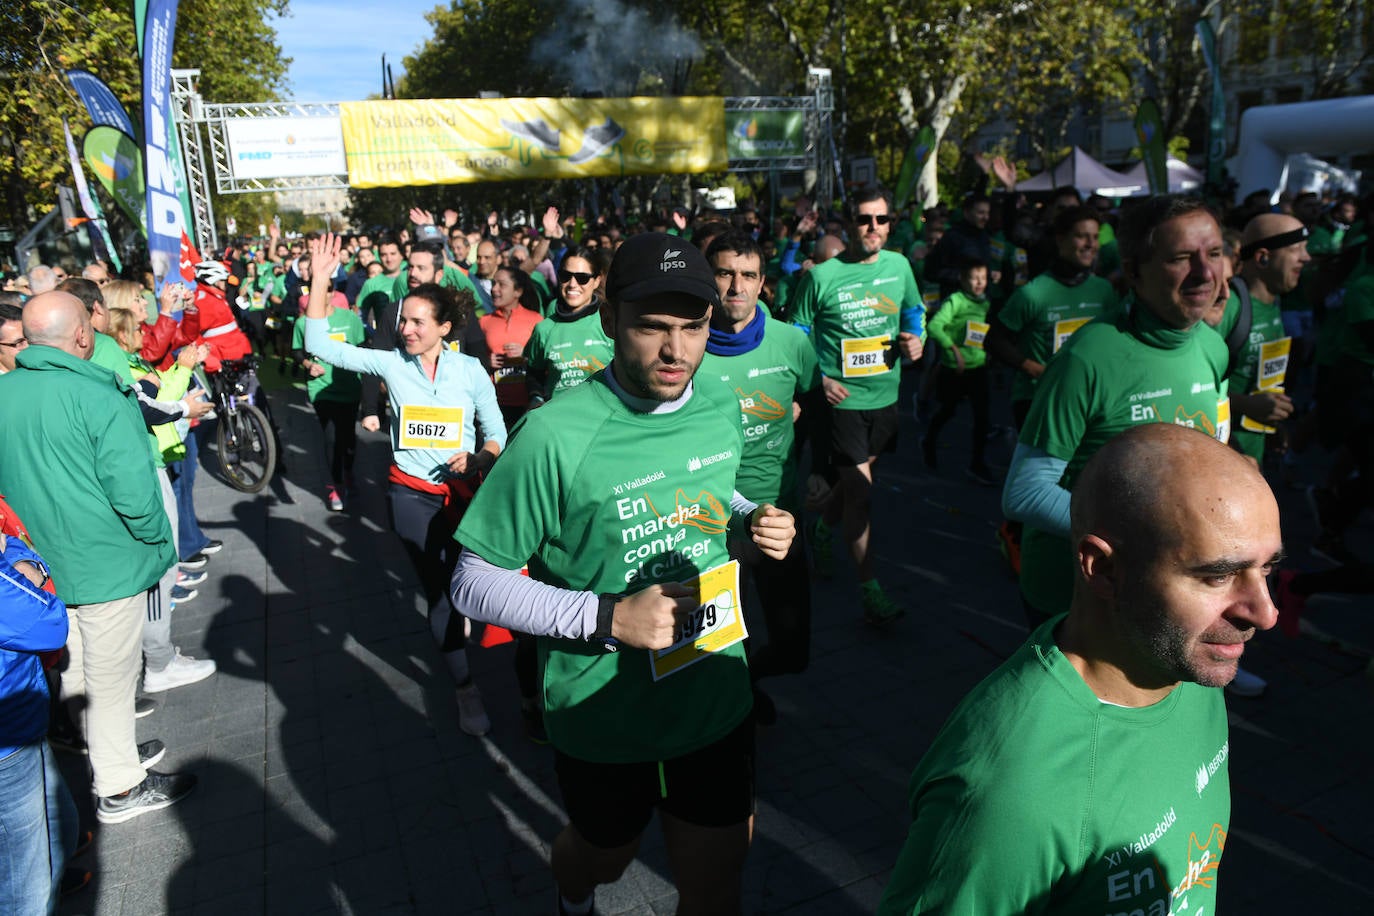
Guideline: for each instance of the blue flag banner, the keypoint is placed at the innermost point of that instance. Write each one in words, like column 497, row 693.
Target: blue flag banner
column 165, row 219
column 100, row 102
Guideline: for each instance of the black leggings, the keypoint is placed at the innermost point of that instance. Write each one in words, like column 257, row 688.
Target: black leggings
column 427, row 533
column 784, row 588
column 951, row 387
column 343, row 416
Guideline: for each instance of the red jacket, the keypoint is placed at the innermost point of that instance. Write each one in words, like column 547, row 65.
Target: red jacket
column 160, row 340
column 219, row 328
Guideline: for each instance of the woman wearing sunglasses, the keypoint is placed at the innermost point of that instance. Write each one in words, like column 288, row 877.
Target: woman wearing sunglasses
column 565, row 350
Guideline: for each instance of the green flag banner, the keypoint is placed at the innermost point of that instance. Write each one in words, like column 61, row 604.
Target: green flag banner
column 116, row 160
column 1149, row 132
column 1216, row 124
column 765, row 134
column 912, row 164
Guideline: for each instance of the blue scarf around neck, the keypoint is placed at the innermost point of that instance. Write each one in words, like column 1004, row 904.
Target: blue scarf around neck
column 729, row 343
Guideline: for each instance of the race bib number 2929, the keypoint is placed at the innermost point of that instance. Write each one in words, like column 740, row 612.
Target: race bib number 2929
column 715, row 624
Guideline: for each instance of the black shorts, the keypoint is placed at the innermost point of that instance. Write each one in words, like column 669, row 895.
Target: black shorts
column 610, row 803
column 857, row 435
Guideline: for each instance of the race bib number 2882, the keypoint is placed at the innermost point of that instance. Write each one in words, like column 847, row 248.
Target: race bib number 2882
column 863, row 356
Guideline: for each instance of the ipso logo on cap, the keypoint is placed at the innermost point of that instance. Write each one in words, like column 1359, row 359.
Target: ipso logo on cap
column 669, row 263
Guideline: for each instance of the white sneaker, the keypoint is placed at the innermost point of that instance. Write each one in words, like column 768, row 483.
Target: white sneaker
column 472, row 715
column 182, row 671
column 1246, row 684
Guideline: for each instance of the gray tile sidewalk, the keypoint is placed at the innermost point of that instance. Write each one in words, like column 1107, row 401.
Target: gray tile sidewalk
column 334, row 779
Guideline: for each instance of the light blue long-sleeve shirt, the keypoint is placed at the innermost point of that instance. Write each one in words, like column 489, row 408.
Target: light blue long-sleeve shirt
column 431, row 419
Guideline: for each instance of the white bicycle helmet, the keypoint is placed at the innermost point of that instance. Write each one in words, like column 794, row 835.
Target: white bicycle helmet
column 211, row 272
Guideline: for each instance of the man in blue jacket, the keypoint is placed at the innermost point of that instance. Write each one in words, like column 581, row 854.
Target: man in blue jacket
column 38, row 820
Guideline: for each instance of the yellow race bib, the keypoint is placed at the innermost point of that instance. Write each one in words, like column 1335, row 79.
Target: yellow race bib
column 975, row 333
column 1224, row 420
column 431, row 427
column 864, row 356
column 1065, row 329
column 716, row 624
column 1273, row 371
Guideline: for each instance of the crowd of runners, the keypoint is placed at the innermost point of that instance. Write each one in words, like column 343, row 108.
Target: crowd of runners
column 685, row 414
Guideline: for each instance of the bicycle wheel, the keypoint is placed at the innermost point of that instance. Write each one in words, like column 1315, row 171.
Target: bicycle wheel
column 247, row 451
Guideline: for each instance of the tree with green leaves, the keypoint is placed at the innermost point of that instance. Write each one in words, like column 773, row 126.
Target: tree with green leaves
column 228, row 40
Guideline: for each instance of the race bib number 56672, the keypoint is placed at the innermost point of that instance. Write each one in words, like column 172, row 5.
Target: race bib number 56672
column 431, row 427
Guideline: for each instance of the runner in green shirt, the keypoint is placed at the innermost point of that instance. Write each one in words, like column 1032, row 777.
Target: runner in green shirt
column 1088, row 775
column 567, row 349
column 623, row 489
column 1273, row 254
column 960, row 327
column 863, row 313
column 762, row 369
column 1154, row 362
column 335, row 394
column 1041, row 316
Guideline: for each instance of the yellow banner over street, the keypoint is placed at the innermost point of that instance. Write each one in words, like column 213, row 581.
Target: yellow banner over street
column 452, row 141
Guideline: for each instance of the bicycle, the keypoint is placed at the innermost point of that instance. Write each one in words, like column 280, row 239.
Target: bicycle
column 246, row 444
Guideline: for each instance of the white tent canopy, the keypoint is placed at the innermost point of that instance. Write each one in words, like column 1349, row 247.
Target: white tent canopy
column 1182, row 177
column 1084, row 173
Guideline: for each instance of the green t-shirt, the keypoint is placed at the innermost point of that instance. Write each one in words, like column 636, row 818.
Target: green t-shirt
column 763, row 383
column 1119, row 371
column 1045, row 313
column 565, row 353
column 375, row 296
column 452, row 277
column 1036, row 797
column 336, row 384
column 597, row 497
column 1358, row 307
column 854, row 311
column 960, row 322
column 1266, row 327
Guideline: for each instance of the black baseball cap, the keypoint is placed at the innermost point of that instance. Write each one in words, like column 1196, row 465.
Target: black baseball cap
column 653, row 264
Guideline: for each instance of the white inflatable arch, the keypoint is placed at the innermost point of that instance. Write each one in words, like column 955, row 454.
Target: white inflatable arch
column 1269, row 133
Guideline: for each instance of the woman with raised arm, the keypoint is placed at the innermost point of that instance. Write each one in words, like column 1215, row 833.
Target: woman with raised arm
column 437, row 399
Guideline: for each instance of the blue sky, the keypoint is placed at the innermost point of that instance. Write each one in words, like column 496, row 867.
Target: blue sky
column 336, row 48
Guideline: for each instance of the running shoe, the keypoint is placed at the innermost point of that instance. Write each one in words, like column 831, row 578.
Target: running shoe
column 335, row 501
column 150, row 752
column 1291, row 605
column 596, row 140
column 213, row 547
column 194, row 562
column 182, row 670
column 155, row 792
column 144, row 707
column 181, row 594
column 879, row 610
column 189, row 579
column 472, row 714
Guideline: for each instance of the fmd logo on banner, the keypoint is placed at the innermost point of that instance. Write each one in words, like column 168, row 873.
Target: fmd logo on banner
column 285, row 147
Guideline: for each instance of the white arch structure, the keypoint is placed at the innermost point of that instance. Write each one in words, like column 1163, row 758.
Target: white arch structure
column 1269, row 133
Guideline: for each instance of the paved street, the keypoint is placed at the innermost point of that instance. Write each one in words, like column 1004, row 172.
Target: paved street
column 334, row 779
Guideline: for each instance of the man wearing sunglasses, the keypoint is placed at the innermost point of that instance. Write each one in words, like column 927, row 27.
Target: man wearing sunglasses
column 862, row 311
column 12, row 338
